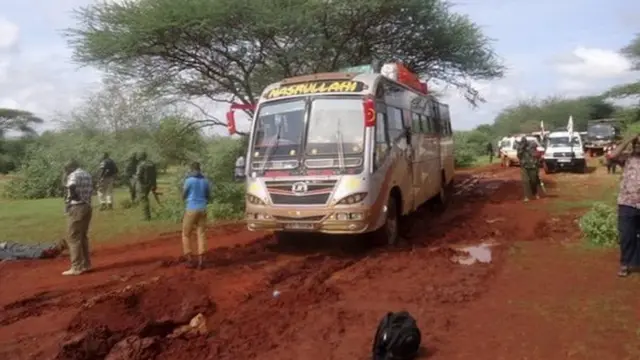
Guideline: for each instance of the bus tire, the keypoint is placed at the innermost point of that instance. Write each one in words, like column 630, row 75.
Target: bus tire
column 388, row 233
column 443, row 195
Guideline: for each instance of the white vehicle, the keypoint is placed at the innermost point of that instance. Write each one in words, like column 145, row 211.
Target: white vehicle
column 345, row 153
column 562, row 154
column 508, row 149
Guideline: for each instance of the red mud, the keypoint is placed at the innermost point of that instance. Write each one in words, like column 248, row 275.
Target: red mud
column 332, row 291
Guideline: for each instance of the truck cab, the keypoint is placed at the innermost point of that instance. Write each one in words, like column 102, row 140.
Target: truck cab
column 564, row 151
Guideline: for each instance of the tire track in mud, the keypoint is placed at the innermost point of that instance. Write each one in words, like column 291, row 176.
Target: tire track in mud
column 328, row 293
column 313, row 292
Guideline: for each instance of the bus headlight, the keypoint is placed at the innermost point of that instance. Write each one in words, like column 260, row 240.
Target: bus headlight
column 252, row 199
column 352, row 199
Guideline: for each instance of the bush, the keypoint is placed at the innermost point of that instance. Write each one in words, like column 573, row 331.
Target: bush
column 218, row 163
column 599, row 225
column 40, row 174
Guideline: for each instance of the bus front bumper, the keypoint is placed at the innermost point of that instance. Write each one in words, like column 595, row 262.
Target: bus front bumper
column 328, row 221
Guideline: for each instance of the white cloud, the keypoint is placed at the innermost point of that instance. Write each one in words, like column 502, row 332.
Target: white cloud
column 593, row 63
column 9, row 34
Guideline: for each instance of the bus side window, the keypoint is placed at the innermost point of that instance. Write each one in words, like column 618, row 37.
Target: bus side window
column 382, row 145
column 395, row 123
column 426, row 124
column 406, row 119
column 416, row 125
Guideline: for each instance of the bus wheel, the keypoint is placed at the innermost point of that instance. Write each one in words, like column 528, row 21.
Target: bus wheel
column 388, row 233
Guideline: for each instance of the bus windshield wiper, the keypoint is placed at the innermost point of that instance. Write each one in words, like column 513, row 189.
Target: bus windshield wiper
column 273, row 147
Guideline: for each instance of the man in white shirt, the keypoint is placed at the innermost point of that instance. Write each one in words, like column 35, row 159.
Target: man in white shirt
column 79, row 189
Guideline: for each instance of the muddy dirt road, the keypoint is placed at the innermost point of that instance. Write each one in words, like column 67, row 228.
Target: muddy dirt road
column 331, row 292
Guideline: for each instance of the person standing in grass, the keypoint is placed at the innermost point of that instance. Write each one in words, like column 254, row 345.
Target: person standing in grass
column 108, row 173
column 529, row 168
column 196, row 195
column 629, row 205
column 490, row 152
column 79, row 189
column 130, row 173
column 147, row 177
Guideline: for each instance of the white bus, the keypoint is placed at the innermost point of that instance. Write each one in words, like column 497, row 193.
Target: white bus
column 345, row 153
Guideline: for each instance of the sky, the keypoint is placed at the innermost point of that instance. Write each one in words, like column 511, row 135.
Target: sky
column 551, row 47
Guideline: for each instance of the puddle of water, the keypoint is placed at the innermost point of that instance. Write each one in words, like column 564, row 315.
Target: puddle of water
column 473, row 254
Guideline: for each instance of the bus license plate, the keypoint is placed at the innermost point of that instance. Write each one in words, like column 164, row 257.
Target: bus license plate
column 564, row 160
column 299, row 226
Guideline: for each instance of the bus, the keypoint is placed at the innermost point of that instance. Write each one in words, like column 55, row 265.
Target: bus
column 345, row 153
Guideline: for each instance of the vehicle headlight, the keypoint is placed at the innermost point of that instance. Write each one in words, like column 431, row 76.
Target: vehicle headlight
column 352, row 199
column 252, row 199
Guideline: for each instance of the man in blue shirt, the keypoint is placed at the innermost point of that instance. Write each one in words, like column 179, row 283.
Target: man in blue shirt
column 196, row 195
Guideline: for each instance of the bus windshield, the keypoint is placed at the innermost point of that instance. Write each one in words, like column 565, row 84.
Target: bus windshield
column 279, row 128
column 336, row 126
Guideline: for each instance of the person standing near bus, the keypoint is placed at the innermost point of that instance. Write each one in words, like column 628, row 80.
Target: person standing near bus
column 196, row 195
column 490, row 151
column 529, row 169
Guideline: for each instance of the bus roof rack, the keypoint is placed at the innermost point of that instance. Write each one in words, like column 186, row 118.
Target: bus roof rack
column 318, row 77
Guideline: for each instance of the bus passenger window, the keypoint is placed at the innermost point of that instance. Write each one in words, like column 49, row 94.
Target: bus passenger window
column 416, row 124
column 426, row 124
column 382, row 140
column 396, row 127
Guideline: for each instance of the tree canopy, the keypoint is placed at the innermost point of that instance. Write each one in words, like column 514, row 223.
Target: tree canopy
column 17, row 120
column 631, row 52
column 555, row 111
column 229, row 50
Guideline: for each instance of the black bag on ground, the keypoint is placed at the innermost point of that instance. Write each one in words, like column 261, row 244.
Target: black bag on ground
column 397, row 337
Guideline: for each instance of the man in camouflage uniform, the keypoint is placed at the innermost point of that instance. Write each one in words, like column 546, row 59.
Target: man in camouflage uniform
column 529, row 168
column 130, row 173
column 146, row 176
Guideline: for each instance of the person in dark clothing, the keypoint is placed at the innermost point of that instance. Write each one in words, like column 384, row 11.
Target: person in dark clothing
column 196, row 195
column 106, row 180
column 529, row 168
column 146, row 176
column 130, row 174
column 629, row 206
column 490, row 152
column 611, row 163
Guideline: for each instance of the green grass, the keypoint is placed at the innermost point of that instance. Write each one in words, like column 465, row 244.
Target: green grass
column 484, row 160
column 43, row 220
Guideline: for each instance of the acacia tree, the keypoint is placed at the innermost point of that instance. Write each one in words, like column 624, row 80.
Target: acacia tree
column 17, row 120
column 632, row 52
column 229, row 50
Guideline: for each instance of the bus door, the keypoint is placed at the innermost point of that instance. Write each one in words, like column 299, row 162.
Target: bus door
column 403, row 167
column 435, row 154
column 419, row 165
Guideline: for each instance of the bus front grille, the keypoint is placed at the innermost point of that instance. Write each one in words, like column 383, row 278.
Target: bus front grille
column 317, row 192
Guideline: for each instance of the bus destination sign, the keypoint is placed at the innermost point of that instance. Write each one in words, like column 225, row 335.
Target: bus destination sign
column 316, row 87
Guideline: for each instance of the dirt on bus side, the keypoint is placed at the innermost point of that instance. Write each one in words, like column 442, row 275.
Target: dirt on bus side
column 314, row 298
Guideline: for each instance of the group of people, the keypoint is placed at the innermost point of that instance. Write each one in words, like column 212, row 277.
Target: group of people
column 627, row 153
column 141, row 177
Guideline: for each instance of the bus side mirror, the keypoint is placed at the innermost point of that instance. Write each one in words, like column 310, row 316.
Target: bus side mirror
column 231, row 122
